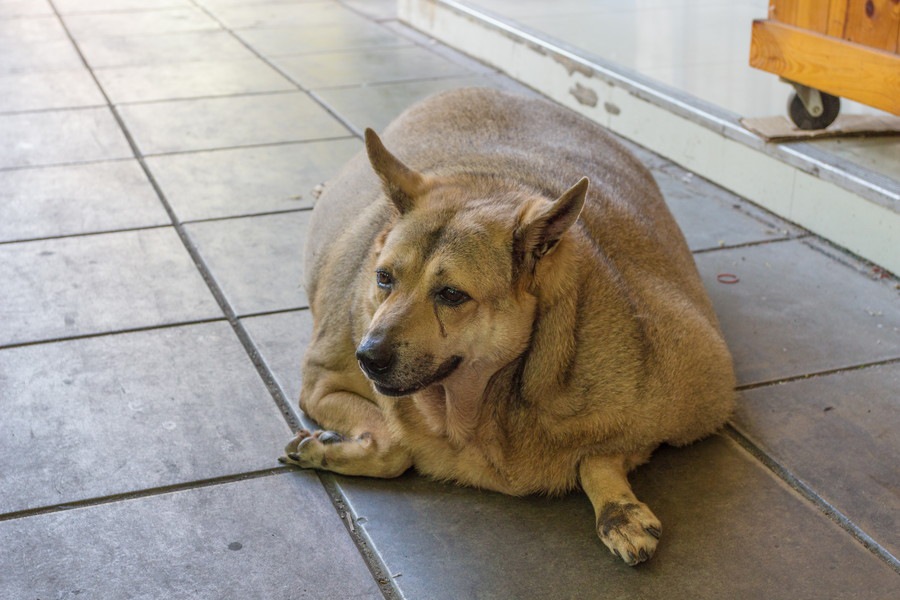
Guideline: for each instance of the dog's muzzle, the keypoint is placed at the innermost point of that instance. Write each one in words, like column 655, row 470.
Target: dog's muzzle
column 378, row 361
column 376, row 357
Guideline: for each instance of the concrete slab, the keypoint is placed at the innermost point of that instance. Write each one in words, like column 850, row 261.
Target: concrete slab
column 186, row 125
column 114, row 414
column 146, row 83
column 76, row 199
column 257, row 261
column 128, row 23
column 373, row 65
column 276, row 537
column 797, row 311
column 303, row 39
column 280, row 15
column 58, row 137
column 282, row 339
column 730, row 530
column 26, row 8
column 246, row 181
column 48, row 90
column 99, row 283
column 382, row 103
column 24, row 57
column 712, row 217
column 70, row 7
column 30, row 30
column 171, row 48
column 840, row 435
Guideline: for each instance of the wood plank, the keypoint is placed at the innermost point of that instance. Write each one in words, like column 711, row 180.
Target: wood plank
column 828, row 64
column 873, row 23
column 806, row 14
column 837, row 17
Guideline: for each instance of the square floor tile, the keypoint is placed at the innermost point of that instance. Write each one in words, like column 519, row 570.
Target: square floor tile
column 374, row 65
column 282, row 340
column 94, row 284
column 56, row 137
column 30, row 30
column 728, row 526
column 184, row 125
column 376, row 9
column 282, row 14
column 378, row 105
column 839, row 434
column 190, row 80
column 235, row 540
column 711, row 217
column 257, row 261
column 49, row 90
column 320, row 38
column 140, row 410
column 86, row 26
column 67, row 7
column 246, row 181
column 89, row 198
column 796, row 311
column 189, row 46
column 58, row 55
column 24, row 8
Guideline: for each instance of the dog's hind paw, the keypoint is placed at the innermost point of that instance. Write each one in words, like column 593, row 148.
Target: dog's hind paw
column 630, row 530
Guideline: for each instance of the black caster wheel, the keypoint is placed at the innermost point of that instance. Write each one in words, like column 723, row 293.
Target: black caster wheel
column 831, row 106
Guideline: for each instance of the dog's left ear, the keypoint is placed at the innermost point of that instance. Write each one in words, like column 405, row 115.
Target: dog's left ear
column 541, row 227
column 401, row 183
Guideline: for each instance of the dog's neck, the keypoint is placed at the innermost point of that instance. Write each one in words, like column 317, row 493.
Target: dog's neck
column 452, row 407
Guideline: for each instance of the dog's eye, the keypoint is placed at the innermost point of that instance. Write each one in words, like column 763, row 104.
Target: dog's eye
column 384, row 279
column 452, row 296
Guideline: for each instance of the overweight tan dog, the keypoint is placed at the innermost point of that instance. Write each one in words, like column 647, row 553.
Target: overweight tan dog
column 503, row 300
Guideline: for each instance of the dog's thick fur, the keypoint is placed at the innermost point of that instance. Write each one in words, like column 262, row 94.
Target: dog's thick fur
column 522, row 330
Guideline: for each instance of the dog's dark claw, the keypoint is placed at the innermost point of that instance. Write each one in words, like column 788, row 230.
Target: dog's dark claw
column 653, row 531
column 643, row 555
column 283, row 460
column 330, row 437
column 294, row 456
column 632, row 559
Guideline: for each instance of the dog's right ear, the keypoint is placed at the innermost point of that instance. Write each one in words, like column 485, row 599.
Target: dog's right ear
column 401, row 183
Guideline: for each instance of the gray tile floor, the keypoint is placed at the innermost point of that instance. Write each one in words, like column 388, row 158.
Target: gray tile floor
column 158, row 168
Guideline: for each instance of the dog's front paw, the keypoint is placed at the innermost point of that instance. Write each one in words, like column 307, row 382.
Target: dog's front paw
column 630, row 530
column 307, row 449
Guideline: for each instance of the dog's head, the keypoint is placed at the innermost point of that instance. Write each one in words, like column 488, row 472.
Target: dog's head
column 451, row 288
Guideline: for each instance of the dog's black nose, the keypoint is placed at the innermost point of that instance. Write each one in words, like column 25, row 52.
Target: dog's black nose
column 375, row 356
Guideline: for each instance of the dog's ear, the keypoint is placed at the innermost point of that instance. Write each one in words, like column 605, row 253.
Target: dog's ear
column 542, row 225
column 401, row 183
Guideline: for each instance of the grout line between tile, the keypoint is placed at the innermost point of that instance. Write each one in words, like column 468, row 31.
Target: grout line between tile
column 144, row 493
column 205, row 97
column 244, row 146
column 825, row 373
column 788, row 238
column 365, row 544
column 811, row 496
column 83, row 234
column 34, row 111
column 269, row 213
column 86, row 336
column 266, row 313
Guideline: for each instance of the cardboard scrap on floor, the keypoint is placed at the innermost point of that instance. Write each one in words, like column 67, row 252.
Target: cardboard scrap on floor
column 781, row 129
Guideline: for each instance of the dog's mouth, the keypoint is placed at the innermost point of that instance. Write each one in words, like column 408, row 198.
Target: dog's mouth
column 442, row 372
